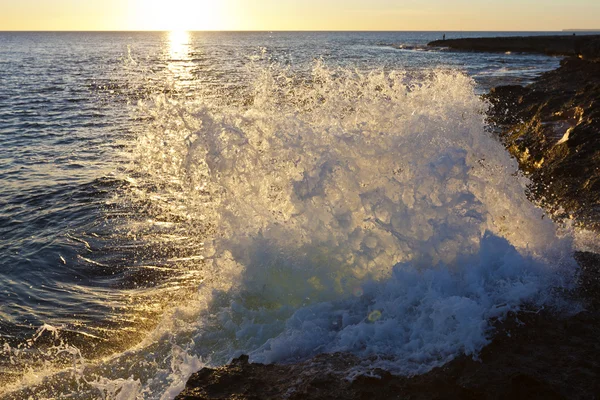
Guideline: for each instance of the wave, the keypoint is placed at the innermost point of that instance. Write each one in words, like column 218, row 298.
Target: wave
column 338, row 211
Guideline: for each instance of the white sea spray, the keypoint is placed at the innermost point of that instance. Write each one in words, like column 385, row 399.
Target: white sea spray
column 385, row 183
column 338, row 211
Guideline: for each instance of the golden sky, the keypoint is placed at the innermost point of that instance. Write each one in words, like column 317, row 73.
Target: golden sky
column 299, row 14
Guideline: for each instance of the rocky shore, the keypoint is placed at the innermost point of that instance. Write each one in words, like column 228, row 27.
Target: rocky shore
column 532, row 356
column 584, row 46
column 553, row 128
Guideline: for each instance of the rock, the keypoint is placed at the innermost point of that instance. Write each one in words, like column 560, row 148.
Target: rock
column 534, row 355
column 584, row 46
column 553, row 128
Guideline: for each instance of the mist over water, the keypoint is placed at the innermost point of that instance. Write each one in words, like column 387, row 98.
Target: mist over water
column 300, row 209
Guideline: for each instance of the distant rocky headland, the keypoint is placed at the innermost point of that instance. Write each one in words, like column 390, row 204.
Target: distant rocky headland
column 583, row 46
column 553, row 128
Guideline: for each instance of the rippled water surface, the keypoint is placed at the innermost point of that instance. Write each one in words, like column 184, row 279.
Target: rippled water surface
column 171, row 200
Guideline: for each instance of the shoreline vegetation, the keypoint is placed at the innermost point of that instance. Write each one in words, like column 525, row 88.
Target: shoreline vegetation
column 552, row 127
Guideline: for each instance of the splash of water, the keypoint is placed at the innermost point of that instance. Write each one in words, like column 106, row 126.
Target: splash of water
column 340, row 211
column 381, row 183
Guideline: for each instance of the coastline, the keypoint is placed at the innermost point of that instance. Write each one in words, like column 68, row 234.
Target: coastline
column 552, row 127
column 584, row 46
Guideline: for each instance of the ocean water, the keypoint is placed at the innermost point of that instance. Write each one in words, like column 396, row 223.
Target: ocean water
column 171, row 200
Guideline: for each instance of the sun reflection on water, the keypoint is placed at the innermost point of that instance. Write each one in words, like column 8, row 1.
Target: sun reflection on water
column 179, row 45
column 179, row 53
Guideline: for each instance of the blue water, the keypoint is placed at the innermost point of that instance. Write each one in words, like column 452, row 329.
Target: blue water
column 77, row 251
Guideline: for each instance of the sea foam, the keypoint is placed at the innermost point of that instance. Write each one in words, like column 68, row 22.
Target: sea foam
column 339, row 211
column 344, row 211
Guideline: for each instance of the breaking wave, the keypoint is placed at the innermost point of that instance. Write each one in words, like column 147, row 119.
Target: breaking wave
column 335, row 211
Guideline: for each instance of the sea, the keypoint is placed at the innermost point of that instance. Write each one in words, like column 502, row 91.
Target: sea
column 173, row 200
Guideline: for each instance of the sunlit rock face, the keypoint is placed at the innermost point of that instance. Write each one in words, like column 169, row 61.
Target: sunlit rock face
column 552, row 128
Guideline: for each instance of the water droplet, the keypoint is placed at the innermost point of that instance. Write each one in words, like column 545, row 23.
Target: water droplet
column 374, row 315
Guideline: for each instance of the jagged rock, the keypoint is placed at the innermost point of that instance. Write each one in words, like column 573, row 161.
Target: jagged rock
column 534, row 355
column 553, row 128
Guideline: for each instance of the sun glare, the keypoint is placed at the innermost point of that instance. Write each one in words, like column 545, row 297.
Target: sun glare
column 179, row 15
column 179, row 42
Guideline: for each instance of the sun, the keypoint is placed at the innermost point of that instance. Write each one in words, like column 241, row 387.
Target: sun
column 179, row 15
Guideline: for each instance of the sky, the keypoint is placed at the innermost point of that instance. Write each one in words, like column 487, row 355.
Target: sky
column 402, row 15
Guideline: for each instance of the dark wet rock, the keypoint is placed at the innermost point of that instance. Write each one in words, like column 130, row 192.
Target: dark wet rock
column 534, row 355
column 584, row 46
column 552, row 127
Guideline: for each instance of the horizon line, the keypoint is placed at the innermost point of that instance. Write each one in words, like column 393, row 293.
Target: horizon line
column 285, row 30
